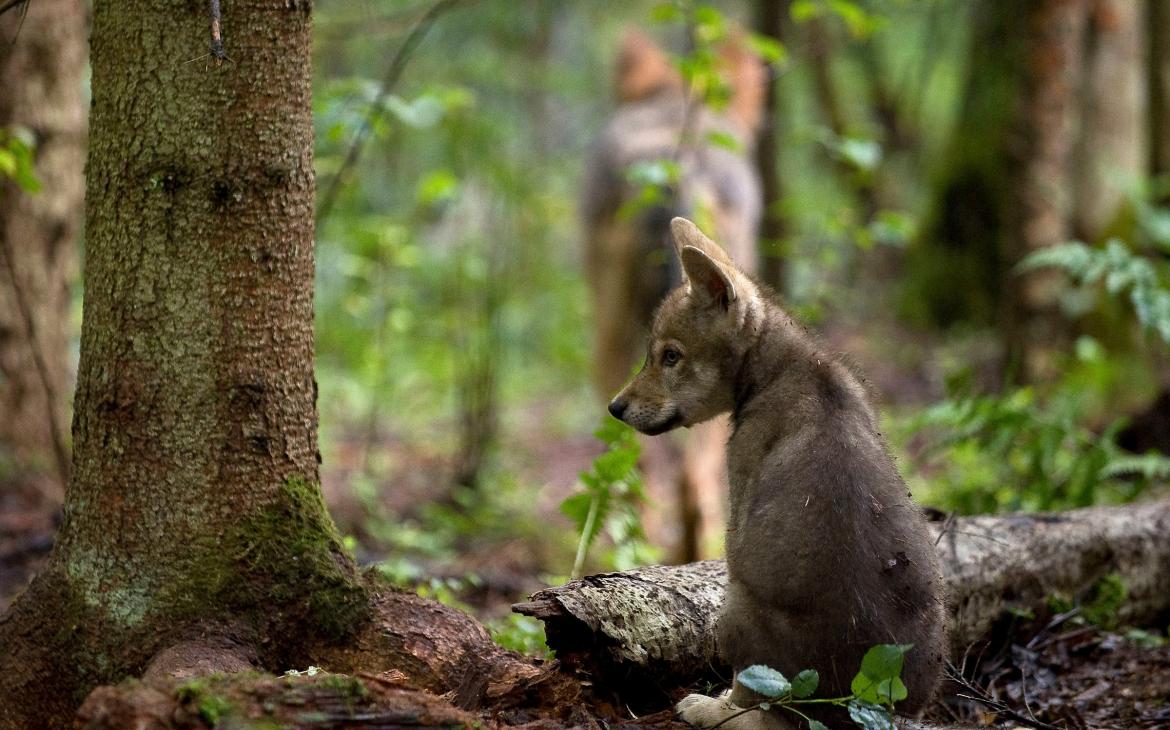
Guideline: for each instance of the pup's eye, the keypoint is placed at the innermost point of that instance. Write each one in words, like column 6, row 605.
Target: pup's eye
column 670, row 357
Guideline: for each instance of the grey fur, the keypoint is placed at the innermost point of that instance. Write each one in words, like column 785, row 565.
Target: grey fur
column 827, row 553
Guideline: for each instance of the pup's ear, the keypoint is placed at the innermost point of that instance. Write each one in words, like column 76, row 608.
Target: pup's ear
column 688, row 234
column 706, row 277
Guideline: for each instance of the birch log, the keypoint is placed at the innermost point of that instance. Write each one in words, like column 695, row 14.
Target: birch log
column 657, row 623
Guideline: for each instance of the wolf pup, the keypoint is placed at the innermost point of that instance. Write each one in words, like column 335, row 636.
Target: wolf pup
column 827, row 555
column 628, row 256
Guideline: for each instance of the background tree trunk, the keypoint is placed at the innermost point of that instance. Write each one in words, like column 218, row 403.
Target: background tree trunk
column 1040, row 155
column 655, row 625
column 954, row 268
column 42, row 56
column 1111, row 152
column 771, row 22
column 1159, row 54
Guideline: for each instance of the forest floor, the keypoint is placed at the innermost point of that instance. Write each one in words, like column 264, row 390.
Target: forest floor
column 1051, row 672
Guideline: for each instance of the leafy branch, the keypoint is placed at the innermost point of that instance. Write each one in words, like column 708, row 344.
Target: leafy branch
column 612, row 495
column 875, row 689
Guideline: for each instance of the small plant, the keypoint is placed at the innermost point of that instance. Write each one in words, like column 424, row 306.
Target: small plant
column 17, row 158
column 1122, row 271
column 875, row 689
column 520, row 633
column 989, row 453
column 611, row 498
column 1099, row 606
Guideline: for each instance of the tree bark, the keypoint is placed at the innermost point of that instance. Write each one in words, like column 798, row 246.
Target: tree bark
column 42, row 57
column 771, row 20
column 1159, row 78
column 655, row 625
column 1111, row 154
column 1040, row 159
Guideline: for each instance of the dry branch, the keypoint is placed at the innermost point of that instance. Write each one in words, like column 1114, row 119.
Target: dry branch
column 655, row 624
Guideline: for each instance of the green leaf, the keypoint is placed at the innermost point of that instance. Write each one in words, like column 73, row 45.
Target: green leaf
column 805, row 10
column 767, row 48
column 864, row 154
column 805, row 683
column 439, row 186
column 764, row 680
column 870, row 716
column 884, row 661
column 817, row 725
column 724, row 140
column 878, row 681
column 665, row 13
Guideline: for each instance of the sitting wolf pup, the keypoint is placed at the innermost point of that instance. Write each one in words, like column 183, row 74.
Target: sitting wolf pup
column 827, row 555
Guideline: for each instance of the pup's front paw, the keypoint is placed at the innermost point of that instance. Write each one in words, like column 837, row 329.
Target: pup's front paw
column 703, row 711
column 706, row 712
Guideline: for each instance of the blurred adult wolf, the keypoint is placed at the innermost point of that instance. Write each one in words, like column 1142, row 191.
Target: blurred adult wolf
column 628, row 256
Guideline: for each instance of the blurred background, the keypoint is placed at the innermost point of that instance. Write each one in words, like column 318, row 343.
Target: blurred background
column 968, row 198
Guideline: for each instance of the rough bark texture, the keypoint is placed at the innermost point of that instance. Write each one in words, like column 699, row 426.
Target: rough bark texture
column 1159, row 78
column 42, row 56
column 654, row 625
column 771, row 20
column 1041, row 157
column 1111, row 153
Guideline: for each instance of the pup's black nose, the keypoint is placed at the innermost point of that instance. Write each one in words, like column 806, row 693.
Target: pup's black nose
column 617, row 407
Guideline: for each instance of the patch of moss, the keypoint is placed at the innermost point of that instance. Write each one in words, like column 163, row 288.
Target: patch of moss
column 285, row 566
column 349, row 688
column 198, row 694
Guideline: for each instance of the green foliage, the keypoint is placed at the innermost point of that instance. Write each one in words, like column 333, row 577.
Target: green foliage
column 17, row 160
column 1145, row 639
column 1010, row 451
column 875, row 689
column 857, row 19
column 879, row 681
column 764, row 680
column 1122, row 271
column 520, row 633
column 610, row 499
column 1099, row 606
column 210, row 706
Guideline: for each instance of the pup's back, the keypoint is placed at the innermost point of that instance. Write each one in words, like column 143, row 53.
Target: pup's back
column 827, row 552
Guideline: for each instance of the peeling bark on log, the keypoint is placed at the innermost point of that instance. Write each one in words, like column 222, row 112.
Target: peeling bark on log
column 655, row 624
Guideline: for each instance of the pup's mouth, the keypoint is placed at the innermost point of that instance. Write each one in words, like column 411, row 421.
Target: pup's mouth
column 673, row 421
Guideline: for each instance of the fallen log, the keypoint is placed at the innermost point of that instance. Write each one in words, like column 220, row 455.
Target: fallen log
column 656, row 624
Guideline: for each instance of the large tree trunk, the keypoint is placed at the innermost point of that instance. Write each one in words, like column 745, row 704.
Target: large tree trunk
column 655, row 625
column 42, row 56
column 194, row 533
